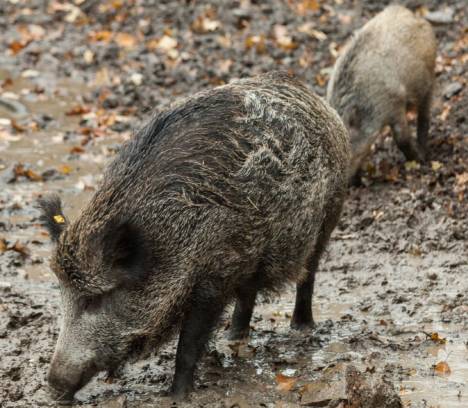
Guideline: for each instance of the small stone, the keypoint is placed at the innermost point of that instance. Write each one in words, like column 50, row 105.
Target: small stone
column 444, row 16
column 136, row 78
column 5, row 286
column 452, row 89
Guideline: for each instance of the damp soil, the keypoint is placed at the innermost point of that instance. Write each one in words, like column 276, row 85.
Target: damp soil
column 391, row 296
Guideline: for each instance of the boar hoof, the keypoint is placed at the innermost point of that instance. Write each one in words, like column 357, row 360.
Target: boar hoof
column 302, row 326
column 238, row 334
column 60, row 398
column 179, row 393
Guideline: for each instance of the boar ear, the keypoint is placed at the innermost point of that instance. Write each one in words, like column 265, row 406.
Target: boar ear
column 124, row 251
column 52, row 216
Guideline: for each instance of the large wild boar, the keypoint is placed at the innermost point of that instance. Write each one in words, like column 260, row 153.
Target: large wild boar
column 230, row 192
column 387, row 67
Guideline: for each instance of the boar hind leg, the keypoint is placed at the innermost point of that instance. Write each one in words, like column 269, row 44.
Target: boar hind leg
column 302, row 318
column 196, row 329
column 424, row 121
column 402, row 135
column 240, row 325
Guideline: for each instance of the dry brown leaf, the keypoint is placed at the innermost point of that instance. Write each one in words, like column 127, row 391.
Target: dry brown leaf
column 436, row 338
column 125, row 40
column 100, row 36
column 445, row 112
column 257, row 42
column 321, row 80
column 442, row 368
column 3, row 245
column 78, row 110
column 303, row 6
column 32, row 175
column 166, row 43
column 77, row 150
column 285, row 383
column 205, row 23
column 20, row 248
column 65, row 169
column 283, row 39
column 462, row 179
column 17, row 46
column 19, row 128
column 225, row 65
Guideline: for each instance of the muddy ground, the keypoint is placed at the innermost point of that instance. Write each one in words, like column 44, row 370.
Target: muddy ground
column 76, row 77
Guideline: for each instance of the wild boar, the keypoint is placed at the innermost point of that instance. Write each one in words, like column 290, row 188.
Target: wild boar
column 387, row 67
column 230, row 192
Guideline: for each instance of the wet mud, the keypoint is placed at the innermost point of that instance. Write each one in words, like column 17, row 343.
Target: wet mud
column 390, row 300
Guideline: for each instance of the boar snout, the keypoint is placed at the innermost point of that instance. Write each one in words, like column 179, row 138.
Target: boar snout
column 66, row 378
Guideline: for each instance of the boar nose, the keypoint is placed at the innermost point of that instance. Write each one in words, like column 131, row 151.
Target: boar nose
column 66, row 379
column 62, row 388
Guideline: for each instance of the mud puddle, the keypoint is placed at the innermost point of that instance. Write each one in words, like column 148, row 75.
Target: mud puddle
column 52, row 154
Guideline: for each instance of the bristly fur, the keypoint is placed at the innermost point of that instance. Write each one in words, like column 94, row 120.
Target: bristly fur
column 51, row 206
column 242, row 182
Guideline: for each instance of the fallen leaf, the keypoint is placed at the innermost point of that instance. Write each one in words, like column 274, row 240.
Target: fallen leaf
column 78, row 110
column 436, row 165
column 77, row 150
column 412, row 165
column 225, row 65
column 17, row 46
column 321, row 80
column 442, row 368
column 100, row 36
column 205, row 23
column 20, row 248
column 32, row 175
column 65, row 169
column 304, row 6
column 308, row 28
column 125, row 40
column 285, row 383
column 462, row 179
column 19, row 128
column 283, row 39
column 436, row 338
column 3, row 245
column 88, row 56
column 166, row 43
column 257, row 42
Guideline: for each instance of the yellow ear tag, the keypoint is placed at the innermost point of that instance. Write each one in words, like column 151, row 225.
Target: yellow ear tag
column 59, row 219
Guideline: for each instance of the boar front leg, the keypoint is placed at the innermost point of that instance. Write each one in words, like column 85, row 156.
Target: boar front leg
column 196, row 329
column 424, row 120
column 302, row 318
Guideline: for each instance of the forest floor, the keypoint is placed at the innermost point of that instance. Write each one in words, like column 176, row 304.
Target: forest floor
column 77, row 77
